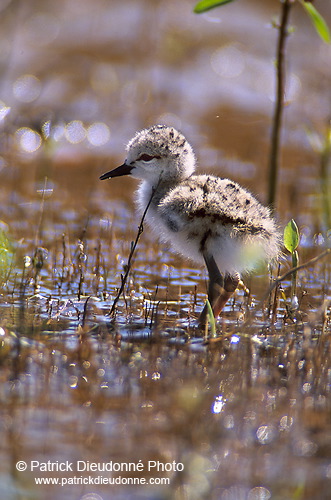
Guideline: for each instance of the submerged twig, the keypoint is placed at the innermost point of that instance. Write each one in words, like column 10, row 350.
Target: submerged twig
column 284, row 277
column 81, row 258
column 64, row 252
column 294, row 270
column 132, row 251
column 85, row 312
column 38, row 237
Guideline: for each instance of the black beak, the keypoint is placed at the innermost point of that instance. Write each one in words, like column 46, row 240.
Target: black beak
column 117, row 172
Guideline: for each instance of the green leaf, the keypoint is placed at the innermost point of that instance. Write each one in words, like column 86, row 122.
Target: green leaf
column 318, row 21
column 291, row 236
column 205, row 5
column 211, row 319
column 6, row 254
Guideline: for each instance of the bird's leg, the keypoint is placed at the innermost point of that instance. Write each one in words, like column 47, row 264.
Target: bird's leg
column 231, row 282
column 220, row 288
column 215, row 286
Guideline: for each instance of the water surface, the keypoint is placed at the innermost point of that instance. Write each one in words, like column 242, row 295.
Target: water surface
column 247, row 415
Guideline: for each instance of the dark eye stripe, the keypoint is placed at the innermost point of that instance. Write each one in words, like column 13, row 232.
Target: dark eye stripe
column 146, row 157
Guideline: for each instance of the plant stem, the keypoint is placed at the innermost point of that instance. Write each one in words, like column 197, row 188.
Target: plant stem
column 279, row 104
column 281, row 278
column 295, row 270
column 133, row 248
column 324, row 177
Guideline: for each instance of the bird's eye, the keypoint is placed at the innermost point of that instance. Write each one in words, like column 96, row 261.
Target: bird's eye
column 146, row 157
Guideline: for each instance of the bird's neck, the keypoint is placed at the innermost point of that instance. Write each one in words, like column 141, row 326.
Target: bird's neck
column 153, row 192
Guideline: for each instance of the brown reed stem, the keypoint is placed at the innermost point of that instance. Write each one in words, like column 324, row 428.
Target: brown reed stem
column 279, row 104
column 132, row 251
column 325, row 177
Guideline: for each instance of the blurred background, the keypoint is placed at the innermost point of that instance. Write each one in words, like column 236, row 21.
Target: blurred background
column 249, row 416
column 79, row 78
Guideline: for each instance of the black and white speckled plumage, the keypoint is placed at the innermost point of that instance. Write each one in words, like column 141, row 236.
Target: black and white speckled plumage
column 199, row 213
column 203, row 217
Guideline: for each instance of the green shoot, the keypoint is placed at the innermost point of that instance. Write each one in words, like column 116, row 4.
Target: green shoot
column 318, row 21
column 291, row 242
column 205, row 5
column 211, row 319
column 6, row 255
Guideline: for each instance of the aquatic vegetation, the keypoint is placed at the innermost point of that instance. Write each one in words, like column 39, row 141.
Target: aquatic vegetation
column 6, row 254
column 242, row 412
column 291, row 243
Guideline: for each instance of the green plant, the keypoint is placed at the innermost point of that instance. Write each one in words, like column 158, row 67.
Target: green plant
column 318, row 21
column 283, row 31
column 205, row 5
column 6, row 255
column 316, row 18
column 211, row 320
column 291, row 242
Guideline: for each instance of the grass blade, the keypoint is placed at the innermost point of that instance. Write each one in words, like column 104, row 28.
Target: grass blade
column 211, row 319
column 205, row 5
column 318, row 21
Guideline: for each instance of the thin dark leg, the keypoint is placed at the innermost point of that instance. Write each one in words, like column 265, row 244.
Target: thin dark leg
column 220, row 288
column 230, row 284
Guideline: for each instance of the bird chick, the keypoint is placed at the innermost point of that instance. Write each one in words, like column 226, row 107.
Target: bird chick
column 205, row 218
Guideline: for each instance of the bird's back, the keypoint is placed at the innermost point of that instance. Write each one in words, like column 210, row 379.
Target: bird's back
column 208, row 214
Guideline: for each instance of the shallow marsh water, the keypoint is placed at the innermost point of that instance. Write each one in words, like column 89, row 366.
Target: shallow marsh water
column 247, row 414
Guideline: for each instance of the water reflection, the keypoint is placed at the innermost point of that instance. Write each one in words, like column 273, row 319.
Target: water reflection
column 27, row 88
column 219, row 404
column 78, row 79
column 4, row 110
column 42, row 28
column 228, row 61
column 29, row 140
column 265, row 434
column 259, row 493
column 98, row 134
